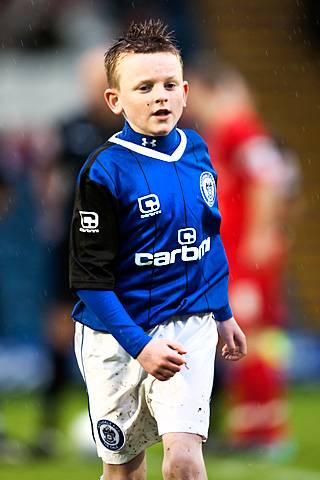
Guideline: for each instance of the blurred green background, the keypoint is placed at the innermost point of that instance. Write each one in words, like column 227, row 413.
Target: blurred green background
column 303, row 462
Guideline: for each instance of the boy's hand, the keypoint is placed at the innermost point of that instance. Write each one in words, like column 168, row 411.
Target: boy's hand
column 162, row 358
column 236, row 344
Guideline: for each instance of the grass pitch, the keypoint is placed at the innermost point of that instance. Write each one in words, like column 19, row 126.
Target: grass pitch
column 22, row 416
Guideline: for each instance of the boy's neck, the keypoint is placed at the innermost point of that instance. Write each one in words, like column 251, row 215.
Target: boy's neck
column 164, row 143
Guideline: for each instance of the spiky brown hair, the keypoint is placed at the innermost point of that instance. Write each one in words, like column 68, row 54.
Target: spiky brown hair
column 151, row 36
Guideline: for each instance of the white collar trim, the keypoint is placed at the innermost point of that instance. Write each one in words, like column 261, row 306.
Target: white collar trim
column 148, row 152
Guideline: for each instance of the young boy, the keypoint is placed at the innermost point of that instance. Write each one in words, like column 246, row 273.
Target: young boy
column 149, row 268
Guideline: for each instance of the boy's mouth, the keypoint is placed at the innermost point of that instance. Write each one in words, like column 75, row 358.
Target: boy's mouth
column 162, row 112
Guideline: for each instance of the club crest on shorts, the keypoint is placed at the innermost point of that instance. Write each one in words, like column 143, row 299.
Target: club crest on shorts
column 208, row 188
column 111, row 436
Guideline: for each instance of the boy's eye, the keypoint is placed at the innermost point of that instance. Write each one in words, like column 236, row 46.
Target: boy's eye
column 145, row 88
column 170, row 85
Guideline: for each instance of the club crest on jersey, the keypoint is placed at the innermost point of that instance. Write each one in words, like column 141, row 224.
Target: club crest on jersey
column 149, row 205
column 89, row 222
column 149, row 143
column 208, row 188
column 111, row 435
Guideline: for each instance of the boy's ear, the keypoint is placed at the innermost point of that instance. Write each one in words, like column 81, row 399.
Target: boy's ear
column 185, row 92
column 111, row 97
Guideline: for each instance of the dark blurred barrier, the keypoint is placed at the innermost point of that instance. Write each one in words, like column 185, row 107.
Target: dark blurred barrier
column 304, row 365
column 23, row 367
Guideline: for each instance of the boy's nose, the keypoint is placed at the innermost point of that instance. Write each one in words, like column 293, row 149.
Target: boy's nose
column 161, row 95
column 161, row 99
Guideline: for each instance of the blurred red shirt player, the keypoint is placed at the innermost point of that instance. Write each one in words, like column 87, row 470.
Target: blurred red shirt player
column 254, row 181
column 250, row 171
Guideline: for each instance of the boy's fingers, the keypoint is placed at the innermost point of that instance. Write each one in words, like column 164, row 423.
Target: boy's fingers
column 160, row 377
column 242, row 344
column 231, row 356
column 176, row 360
column 174, row 364
column 237, row 354
column 167, row 372
column 177, row 347
column 230, row 344
column 243, row 348
column 224, row 350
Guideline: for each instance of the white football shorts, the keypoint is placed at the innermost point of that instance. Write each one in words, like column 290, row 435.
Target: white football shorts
column 129, row 409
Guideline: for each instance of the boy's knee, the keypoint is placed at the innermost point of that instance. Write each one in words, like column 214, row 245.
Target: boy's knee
column 181, row 466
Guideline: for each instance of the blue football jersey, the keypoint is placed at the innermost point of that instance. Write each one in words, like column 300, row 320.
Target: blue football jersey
column 146, row 225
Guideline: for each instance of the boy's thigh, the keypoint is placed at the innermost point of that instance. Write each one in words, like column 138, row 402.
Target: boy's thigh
column 121, row 422
column 182, row 403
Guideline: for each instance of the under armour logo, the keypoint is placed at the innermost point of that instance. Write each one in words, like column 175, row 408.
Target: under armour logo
column 146, row 142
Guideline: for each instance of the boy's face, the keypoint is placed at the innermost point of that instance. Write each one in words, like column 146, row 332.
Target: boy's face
column 151, row 92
